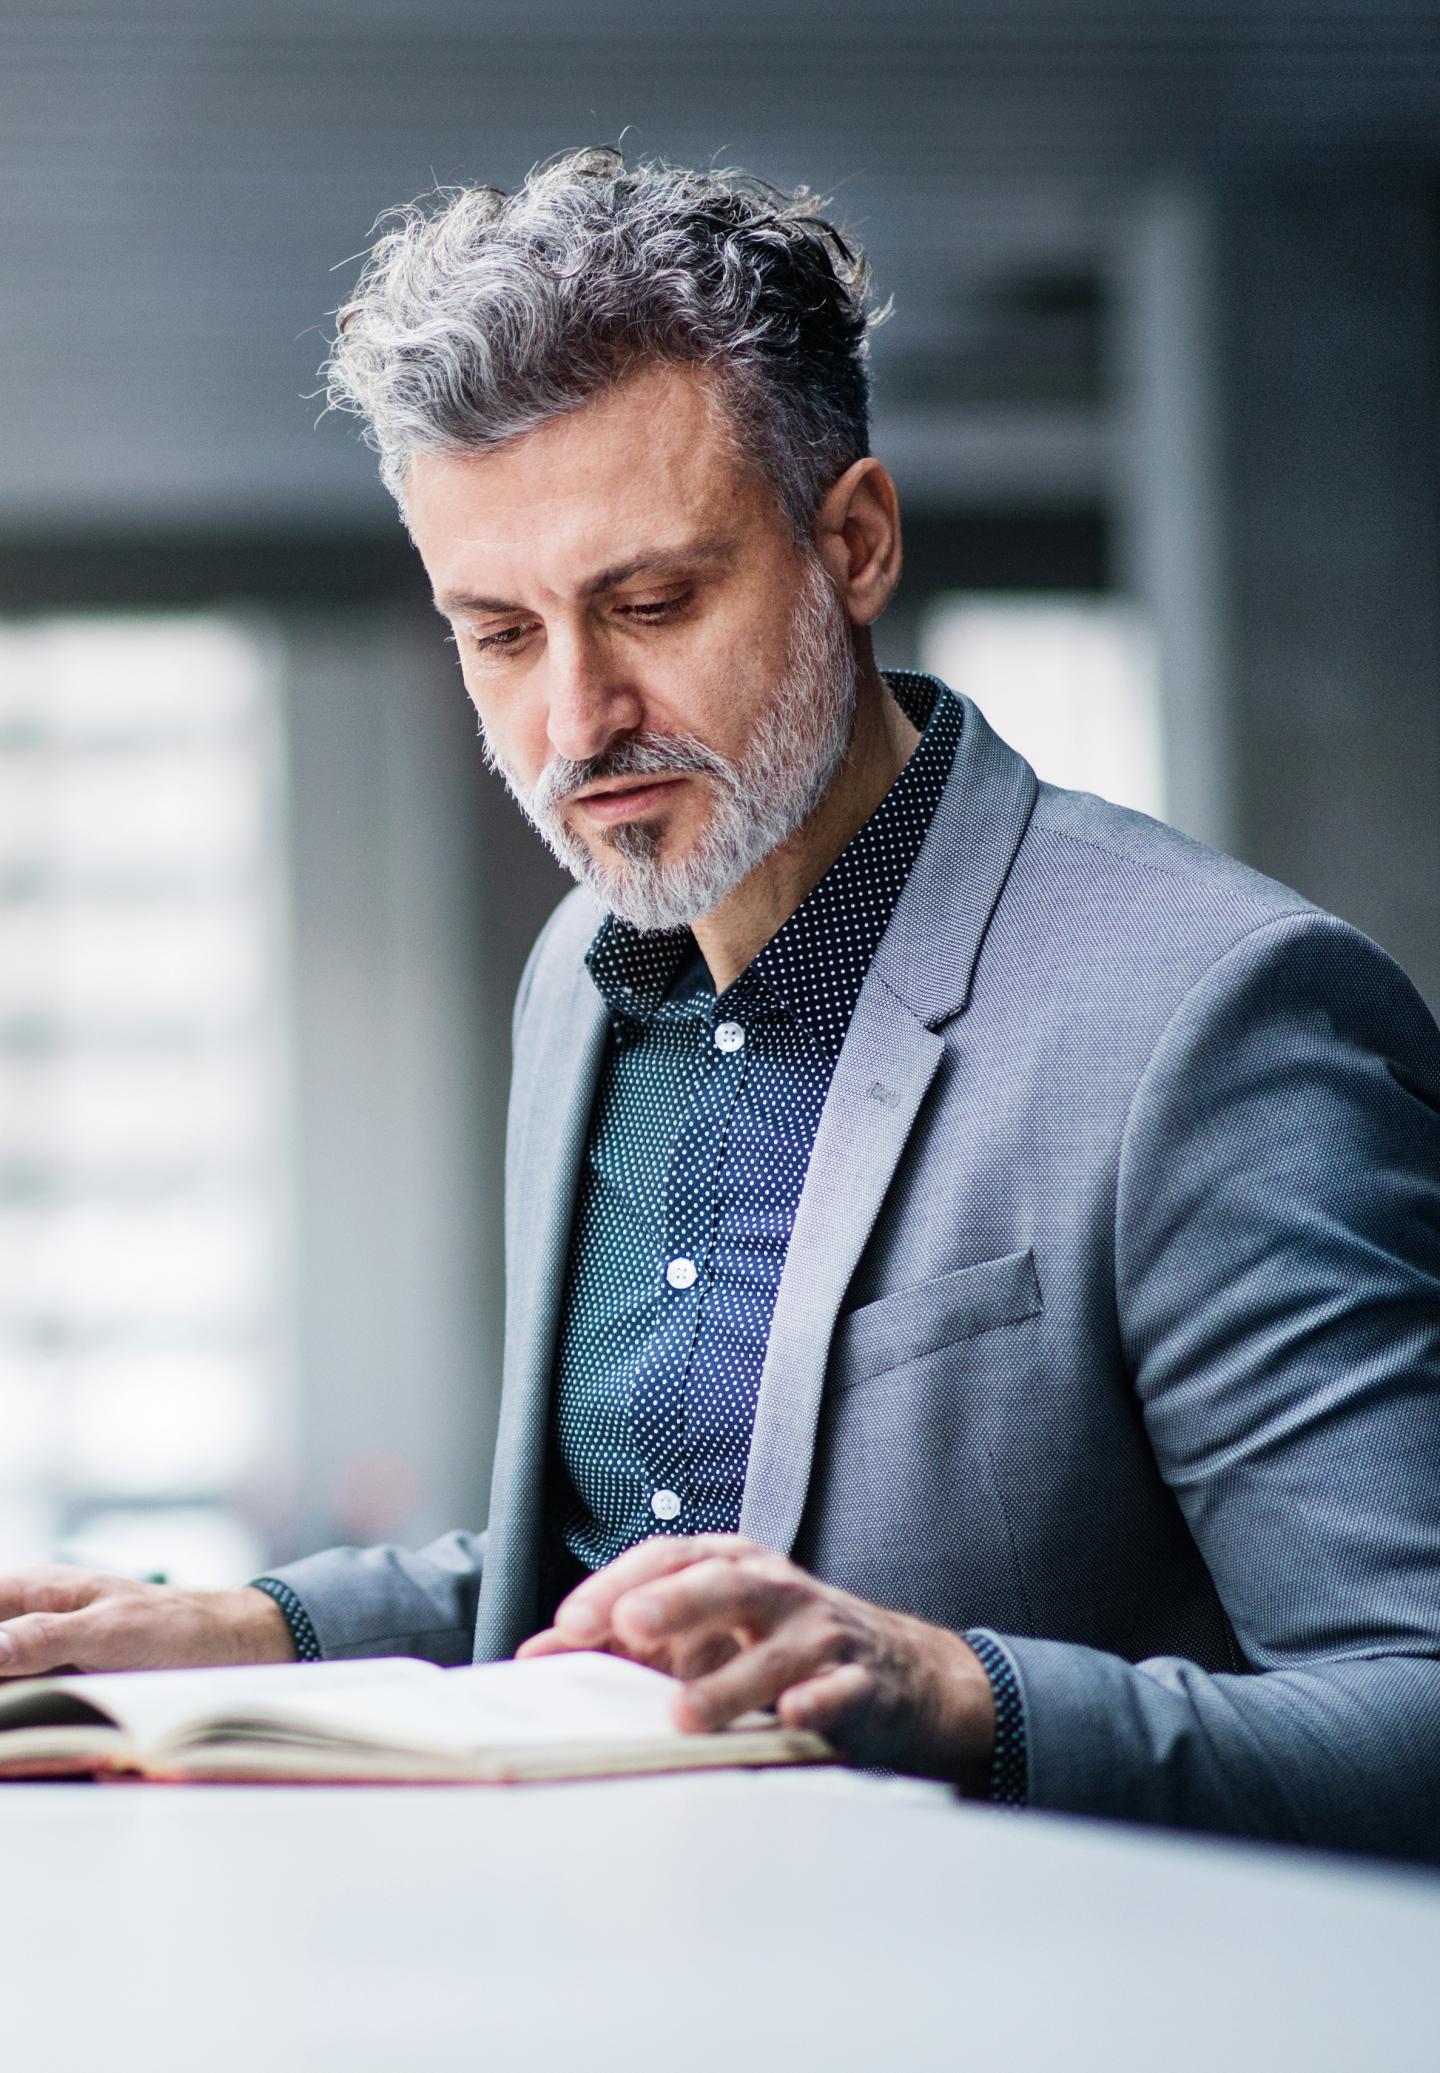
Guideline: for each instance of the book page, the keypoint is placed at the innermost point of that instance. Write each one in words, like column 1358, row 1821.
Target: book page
column 30, row 1702
column 573, row 1716
column 160, row 1706
column 574, row 1700
column 582, row 1697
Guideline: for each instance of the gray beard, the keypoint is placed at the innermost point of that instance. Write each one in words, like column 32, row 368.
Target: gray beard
column 761, row 796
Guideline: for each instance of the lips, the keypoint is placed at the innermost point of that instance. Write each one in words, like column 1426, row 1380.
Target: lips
column 626, row 801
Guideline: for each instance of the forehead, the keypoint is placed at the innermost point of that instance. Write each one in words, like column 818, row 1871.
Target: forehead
column 644, row 468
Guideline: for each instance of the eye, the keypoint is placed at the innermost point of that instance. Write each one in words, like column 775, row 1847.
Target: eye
column 507, row 637
column 654, row 610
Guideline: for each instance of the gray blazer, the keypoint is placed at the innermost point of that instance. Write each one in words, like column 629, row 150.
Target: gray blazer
column 1110, row 1322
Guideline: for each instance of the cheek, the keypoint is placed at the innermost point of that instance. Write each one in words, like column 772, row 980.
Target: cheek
column 714, row 687
column 514, row 729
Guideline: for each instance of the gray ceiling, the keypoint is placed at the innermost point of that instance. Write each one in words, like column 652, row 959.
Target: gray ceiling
column 180, row 180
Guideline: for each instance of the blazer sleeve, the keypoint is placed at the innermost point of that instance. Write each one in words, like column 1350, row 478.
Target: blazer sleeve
column 1277, row 1283
column 390, row 1601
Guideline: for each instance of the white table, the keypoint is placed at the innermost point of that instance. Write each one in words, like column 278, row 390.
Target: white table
column 789, row 1921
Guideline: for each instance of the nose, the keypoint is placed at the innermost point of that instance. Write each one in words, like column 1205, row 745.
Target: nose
column 592, row 699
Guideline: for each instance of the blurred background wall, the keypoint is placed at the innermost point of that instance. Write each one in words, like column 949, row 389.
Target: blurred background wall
column 1160, row 390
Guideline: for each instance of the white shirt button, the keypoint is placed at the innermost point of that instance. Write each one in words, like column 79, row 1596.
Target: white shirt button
column 665, row 1504
column 729, row 1036
column 682, row 1273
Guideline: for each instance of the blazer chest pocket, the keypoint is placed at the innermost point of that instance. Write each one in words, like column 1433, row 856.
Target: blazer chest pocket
column 916, row 1322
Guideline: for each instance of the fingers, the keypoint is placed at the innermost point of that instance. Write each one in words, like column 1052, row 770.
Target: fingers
column 37, row 1642
column 584, row 1618
column 40, row 1607
column 831, row 1704
column 548, row 1643
column 803, row 1648
column 746, row 1595
column 46, row 1587
column 686, row 1657
column 692, row 1656
column 743, row 1629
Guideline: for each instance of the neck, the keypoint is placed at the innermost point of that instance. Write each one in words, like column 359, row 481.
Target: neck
column 738, row 929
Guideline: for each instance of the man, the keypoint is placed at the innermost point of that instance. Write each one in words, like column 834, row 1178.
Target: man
column 973, row 1255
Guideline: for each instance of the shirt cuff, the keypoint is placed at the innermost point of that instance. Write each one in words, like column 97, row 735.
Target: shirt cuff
column 297, row 1619
column 1009, row 1766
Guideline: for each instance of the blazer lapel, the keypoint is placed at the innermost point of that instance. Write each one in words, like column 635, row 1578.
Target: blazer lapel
column 921, row 976
column 929, row 952
column 886, row 1065
column 549, row 1123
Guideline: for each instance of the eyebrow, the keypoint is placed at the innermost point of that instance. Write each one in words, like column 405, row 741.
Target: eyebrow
column 675, row 561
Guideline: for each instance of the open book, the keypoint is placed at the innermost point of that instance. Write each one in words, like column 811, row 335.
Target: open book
column 387, row 1719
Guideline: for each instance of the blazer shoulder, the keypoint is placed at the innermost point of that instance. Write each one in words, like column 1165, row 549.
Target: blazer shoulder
column 1145, row 881
column 1157, row 920
column 1129, row 849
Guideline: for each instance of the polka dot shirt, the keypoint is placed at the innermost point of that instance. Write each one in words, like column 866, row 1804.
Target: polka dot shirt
column 702, row 1129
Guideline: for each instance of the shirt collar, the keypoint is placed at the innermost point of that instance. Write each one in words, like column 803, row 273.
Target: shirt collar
column 815, row 964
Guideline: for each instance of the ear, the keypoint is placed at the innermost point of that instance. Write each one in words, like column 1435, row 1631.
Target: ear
column 857, row 536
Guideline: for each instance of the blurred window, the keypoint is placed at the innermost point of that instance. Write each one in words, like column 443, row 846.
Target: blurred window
column 1069, row 681
column 142, row 1174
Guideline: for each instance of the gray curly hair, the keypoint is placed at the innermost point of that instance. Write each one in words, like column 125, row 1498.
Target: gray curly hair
column 479, row 315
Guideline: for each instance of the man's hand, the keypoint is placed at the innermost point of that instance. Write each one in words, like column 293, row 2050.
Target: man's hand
column 53, row 1617
column 745, row 1628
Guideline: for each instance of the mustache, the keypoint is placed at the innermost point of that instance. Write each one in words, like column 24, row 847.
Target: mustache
column 640, row 755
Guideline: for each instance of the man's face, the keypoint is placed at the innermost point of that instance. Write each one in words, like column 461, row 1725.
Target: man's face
column 664, row 678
